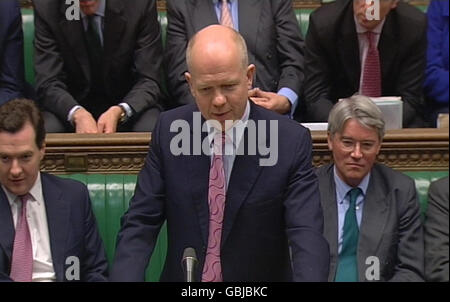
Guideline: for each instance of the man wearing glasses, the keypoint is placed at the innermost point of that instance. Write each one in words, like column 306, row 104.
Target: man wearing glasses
column 371, row 212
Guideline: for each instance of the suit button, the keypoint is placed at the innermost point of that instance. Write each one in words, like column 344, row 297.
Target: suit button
column 269, row 56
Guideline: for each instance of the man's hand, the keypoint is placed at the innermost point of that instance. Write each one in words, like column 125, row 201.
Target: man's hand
column 107, row 122
column 84, row 122
column 270, row 100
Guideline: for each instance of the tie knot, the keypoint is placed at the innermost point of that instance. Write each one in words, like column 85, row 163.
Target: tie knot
column 354, row 193
column 24, row 198
column 370, row 37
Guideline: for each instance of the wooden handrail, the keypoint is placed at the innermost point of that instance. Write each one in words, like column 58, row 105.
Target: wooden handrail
column 406, row 149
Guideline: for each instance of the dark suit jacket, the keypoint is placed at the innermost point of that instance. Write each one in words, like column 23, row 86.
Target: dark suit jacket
column 271, row 32
column 132, row 56
column 333, row 68
column 390, row 229
column 265, row 207
column 11, row 51
column 436, row 232
column 72, row 229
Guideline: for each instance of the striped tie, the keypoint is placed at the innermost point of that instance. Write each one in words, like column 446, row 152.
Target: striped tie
column 22, row 257
column 212, row 270
column 225, row 18
column 371, row 82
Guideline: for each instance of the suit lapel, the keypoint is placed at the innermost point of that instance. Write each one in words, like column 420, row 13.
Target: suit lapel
column 58, row 214
column 330, row 213
column 387, row 46
column 197, row 180
column 248, row 27
column 203, row 14
column 114, row 26
column 6, row 226
column 348, row 49
column 373, row 221
column 74, row 34
column 245, row 171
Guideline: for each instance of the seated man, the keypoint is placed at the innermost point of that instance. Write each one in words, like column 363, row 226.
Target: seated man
column 436, row 77
column 47, row 228
column 348, row 53
column 371, row 212
column 436, row 232
column 248, row 219
column 273, row 38
column 100, row 72
column 11, row 51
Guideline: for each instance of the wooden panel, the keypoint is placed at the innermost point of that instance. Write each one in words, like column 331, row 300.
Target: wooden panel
column 406, row 149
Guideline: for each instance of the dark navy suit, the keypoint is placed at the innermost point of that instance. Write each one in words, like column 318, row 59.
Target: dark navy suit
column 266, row 206
column 11, row 51
column 72, row 230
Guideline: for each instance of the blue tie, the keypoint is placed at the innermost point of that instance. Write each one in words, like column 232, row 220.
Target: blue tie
column 347, row 270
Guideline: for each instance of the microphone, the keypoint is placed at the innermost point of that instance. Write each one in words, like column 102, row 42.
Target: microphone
column 189, row 262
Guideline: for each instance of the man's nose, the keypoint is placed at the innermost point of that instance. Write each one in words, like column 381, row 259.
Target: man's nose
column 356, row 153
column 16, row 168
column 219, row 99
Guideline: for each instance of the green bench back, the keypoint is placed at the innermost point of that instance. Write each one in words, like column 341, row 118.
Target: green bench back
column 110, row 196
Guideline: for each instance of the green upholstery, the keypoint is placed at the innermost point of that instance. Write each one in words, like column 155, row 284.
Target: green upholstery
column 28, row 48
column 423, row 180
column 110, row 195
column 302, row 15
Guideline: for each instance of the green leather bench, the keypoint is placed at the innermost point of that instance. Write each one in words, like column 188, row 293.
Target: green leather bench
column 110, row 195
column 302, row 15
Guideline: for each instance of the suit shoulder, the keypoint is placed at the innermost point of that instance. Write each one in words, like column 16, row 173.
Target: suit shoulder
column 411, row 14
column 65, row 183
column 328, row 13
column 392, row 177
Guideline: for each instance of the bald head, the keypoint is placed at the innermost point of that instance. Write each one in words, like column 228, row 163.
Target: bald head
column 213, row 42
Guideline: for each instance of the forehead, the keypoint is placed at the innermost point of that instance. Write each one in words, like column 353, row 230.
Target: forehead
column 354, row 129
column 24, row 139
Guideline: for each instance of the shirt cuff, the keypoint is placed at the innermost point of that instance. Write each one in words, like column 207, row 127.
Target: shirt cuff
column 292, row 97
column 127, row 108
column 71, row 113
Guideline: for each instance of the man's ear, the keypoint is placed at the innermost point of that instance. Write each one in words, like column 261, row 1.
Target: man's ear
column 329, row 139
column 42, row 151
column 188, row 77
column 251, row 69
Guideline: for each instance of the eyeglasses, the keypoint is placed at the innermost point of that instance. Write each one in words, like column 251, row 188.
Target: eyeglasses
column 366, row 146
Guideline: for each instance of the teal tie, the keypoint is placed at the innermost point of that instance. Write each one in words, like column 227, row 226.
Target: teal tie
column 347, row 270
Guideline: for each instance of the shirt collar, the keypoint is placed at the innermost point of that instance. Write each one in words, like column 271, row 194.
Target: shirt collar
column 217, row 1
column 342, row 188
column 100, row 10
column 360, row 29
column 236, row 131
column 35, row 192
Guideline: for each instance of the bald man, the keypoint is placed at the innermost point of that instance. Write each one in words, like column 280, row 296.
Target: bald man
column 250, row 215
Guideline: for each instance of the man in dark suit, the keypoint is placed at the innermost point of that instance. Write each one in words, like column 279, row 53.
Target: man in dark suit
column 371, row 212
column 47, row 228
column 239, row 212
column 337, row 46
column 11, row 51
column 102, row 71
column 274, row 41
column 436, row 232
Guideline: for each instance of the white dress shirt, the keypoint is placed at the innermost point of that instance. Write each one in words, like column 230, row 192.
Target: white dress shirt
column 37, row 223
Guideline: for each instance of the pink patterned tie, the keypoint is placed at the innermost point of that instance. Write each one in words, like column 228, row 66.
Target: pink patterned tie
column 225, row 18
column 371, row 83
column 22, row 257
column 212, row 270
